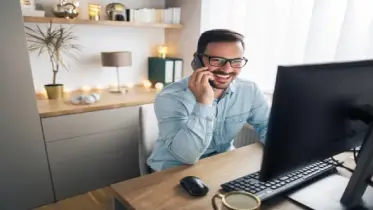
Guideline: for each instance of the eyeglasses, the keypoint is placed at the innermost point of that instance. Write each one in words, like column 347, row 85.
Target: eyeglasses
column 220, row 61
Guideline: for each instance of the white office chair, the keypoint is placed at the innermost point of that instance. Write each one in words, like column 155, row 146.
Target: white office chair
column 149, row 133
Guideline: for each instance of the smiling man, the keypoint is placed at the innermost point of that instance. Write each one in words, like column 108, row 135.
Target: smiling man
column 200, row 115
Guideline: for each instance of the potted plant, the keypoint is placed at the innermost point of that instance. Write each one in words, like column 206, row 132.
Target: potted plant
column 57, row 42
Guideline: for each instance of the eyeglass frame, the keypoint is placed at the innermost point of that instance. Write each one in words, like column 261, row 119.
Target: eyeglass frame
column 226, row 60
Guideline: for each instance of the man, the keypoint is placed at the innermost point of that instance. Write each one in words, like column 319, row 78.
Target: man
column 200, row 115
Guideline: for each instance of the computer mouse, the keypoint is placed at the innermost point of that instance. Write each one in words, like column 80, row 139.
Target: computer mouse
column 194, row 186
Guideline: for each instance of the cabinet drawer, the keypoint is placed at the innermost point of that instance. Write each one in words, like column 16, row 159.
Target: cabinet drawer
column 69, row 126
column 86, row 163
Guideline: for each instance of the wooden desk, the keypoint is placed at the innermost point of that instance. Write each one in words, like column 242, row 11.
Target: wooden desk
column 161, row 190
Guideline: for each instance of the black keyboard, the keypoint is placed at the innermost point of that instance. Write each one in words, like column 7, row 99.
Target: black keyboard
column 265, row 190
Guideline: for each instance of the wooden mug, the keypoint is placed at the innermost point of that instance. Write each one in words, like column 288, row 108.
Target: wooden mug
column 236, row 200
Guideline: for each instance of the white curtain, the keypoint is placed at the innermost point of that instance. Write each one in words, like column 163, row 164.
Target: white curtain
column 280, row 32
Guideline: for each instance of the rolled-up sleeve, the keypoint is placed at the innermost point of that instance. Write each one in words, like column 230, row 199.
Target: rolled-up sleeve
column 186, row 135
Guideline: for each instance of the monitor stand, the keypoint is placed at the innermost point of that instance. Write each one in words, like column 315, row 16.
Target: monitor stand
column 326, row 193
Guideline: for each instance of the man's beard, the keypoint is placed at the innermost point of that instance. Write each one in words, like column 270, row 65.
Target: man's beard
column 217, row 85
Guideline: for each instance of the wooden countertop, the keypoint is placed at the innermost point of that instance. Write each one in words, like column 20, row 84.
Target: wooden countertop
column 135, row 96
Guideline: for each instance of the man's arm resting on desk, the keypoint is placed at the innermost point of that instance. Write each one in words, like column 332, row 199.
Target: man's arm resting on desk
column 186, row 136
column 260, row 114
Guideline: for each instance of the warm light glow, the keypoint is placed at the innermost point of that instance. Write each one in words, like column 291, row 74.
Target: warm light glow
column 113, row 85
column 162, row 51
column 130, row 85
column 99, row 87
column 94, row 11
column 159, row 86
column 43, row 92
column 147, row 83
column 66, row 90
column 86, row 88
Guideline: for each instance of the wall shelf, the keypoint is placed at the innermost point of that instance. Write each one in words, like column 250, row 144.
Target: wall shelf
column 28, row 19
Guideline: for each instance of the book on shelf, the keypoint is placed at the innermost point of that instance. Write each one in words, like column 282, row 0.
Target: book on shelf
column 146, row 15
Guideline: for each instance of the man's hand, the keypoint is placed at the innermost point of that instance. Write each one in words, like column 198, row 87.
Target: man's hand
column 200, row 86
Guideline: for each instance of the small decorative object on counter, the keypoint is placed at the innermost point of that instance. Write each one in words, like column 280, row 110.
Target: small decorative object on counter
column 94, row 11
column 96, row 96
column 159, row 86
column 85, row 99
column 66, row 9
column 116, row 11
column 147, row 84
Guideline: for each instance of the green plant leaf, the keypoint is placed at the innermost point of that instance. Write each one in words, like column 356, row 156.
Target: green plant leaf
column 36, row 37
column 41, row 32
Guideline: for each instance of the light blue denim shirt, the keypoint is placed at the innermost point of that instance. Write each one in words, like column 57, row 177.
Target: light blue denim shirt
column 189, row 131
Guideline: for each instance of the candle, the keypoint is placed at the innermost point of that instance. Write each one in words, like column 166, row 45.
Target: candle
column 159, row 86
column 147, row 84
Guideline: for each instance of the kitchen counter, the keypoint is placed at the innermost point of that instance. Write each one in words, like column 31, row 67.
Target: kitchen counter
column 135, row 96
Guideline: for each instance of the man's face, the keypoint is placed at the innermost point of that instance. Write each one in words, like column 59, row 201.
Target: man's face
column 215, row 58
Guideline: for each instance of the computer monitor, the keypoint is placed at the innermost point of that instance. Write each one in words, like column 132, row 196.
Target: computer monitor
column 311, row 117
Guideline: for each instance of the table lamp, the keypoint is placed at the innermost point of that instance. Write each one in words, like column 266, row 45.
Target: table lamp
column 116, row 59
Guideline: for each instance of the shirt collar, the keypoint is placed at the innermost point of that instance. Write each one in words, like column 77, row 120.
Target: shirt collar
column 231, row 89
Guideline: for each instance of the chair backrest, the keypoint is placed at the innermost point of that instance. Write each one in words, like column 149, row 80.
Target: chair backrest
column 149, row 134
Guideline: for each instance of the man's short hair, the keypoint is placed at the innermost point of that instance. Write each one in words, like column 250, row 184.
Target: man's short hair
column 218, row 35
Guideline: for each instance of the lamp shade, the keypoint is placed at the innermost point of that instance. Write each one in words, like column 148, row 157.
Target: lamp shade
column 116, row 59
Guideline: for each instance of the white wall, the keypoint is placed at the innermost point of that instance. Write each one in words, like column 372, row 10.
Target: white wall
column 216, row 14
column 183, row 43
column 95, row 39
column 284, row 32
